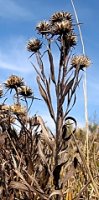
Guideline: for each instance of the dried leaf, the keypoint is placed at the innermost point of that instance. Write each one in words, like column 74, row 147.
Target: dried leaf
column 33, row 180
column 64, row 133
column 31, row 188
column 2, row 139
column 1, row 191
column 42, row 91
column 42, row 156
column 67, row 88
column 56, row 173
column 46, row 135
column 18, row 185
column 49, row 96
column 46, row 98
column 69, row 174
column 56, row 192
column 51, row 66
column 14, row 162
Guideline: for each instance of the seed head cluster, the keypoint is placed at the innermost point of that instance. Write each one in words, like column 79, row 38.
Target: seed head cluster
column 60, row 24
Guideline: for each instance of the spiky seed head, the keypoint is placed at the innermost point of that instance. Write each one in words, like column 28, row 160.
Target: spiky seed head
column 61, row 27
column 67, row 16
column 43, row 27
column 80, row 61
column 18, row 109
column 25, row 91
column 34, row 45
column 14, row 81
column 70, row 40
column 60, row 16
column 4, row 107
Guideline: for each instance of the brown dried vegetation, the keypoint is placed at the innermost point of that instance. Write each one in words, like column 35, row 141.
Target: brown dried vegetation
column 35, row 162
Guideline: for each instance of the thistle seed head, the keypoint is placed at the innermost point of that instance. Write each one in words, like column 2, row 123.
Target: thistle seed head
column 25, row 91
column 60, row 16
column 71, row 39
column 80, row 61
column 62, row 27
column 43, row 27
column 14, row 81
column 18, row 109
column 34, row 45
column 4, row 107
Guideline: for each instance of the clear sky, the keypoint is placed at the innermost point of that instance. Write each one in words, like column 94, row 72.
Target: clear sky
column 17, row 23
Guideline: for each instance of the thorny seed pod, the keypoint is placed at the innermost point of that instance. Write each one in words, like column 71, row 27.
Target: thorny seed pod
column 80, row 61
column 61, row 27
column 13, row 82
column 18, row 109
column 25, row 91
column 34, row 45
column 4, row 107
column 43, row 27
column 71, row 39
column 60, row 16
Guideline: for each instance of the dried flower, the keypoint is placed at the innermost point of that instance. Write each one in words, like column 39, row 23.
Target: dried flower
column 13, row 82
column 18, row 109
column 34, row 45
column 43, row 27
column 71, row 39
column 80, row 61
column 61, row 27
column 4, row 107
column 68, row 42
column 25, row 91
column 60, row 16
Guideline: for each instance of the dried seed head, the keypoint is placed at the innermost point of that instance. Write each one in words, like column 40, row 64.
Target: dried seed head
column 34, row 45
column 71, row 39
column 80, row 61
column 25, row 91
column 4, row 107
column 62, row 27
column 43, row 27
column 13, row 82
column 60, row 16
column 18, row 109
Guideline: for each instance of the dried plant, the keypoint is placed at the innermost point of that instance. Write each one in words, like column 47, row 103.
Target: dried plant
column 35, row 162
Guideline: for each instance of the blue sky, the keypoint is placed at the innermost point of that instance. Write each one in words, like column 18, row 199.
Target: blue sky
column 17, row 24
